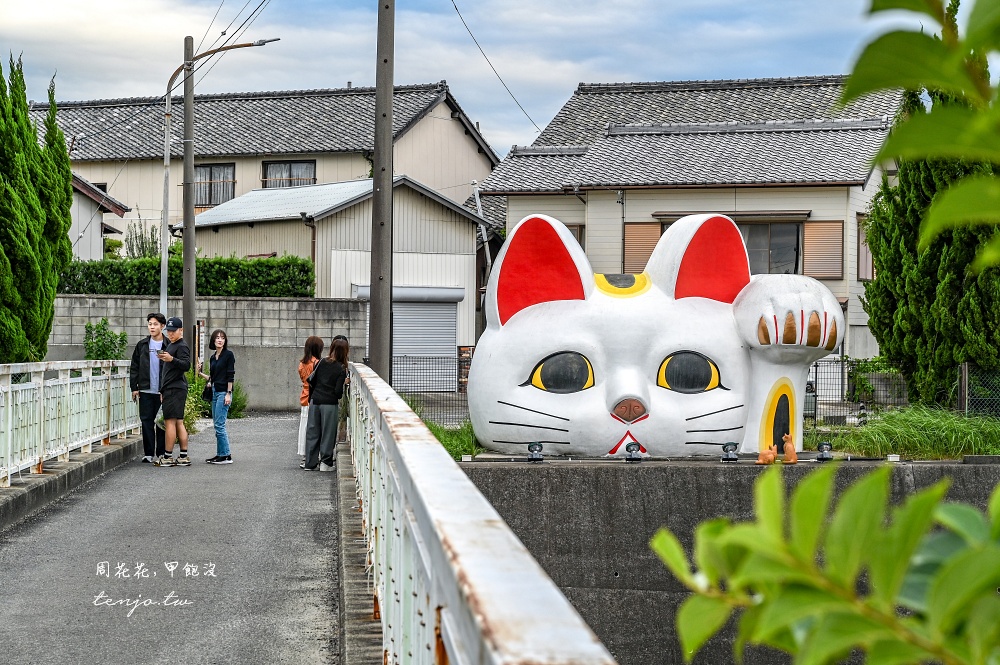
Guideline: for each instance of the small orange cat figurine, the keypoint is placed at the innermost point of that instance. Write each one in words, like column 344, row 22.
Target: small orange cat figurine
column 790, row 456
column 767, row 456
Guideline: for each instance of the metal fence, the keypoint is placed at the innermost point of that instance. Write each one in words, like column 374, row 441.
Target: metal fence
column 978, row 391
column 451, row 582
column 49, row 409
column 840, row 393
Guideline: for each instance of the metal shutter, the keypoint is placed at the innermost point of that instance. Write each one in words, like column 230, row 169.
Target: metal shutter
column 640, row 240
column 425, row 346
column 823, row 255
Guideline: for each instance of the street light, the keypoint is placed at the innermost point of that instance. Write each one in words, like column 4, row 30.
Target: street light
column 188, row 64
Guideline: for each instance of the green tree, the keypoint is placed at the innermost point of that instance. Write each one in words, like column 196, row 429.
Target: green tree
column 35, row 201
column 100, row 342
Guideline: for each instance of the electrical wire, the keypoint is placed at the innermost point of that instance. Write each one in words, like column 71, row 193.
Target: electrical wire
column 492, row 67
column 249, row 21
column 210, row 26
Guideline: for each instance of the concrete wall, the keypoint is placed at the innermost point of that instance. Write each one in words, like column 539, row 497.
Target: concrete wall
column 589, row 523
column 266, row 334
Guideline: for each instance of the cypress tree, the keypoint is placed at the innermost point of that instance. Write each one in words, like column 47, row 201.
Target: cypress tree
column 928, row 311
column 34, row 211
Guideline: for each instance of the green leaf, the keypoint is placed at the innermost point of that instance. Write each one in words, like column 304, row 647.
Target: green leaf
column 791, row 605
column 668, row 548
column 911, row 61
column 932, row 8
column 896, row 652
column 994, row 512
column 983, row 629
column 955, row 132
column 964, row 520
column 972, row 201
column 958, row 585
column 910, row 523
column 988, row 256
column 760, row 568
column 749, row 620
column 769, row 495
column 753, row 538
column 934, row 551
column 698, row 618
column 836, row 635
column 810, row 502
column 855, row 529
column 983, row 27
column 708, row 556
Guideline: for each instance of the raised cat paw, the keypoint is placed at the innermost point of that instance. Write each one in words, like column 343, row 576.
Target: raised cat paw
column 782, row 311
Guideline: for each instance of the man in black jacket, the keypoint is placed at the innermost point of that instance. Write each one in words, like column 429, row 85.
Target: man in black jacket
column 173, row 392
column 144, row 379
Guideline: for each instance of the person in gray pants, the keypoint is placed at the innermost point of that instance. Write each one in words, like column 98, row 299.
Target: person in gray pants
column 326, row 387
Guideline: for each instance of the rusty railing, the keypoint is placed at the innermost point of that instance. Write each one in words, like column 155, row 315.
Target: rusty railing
column 451, row 581
column 48, row 410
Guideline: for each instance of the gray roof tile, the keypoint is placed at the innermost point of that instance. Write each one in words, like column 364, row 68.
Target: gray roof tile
column 702, row 132
column 232, row 124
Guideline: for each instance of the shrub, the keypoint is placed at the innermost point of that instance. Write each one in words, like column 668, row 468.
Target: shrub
column 920, row 587
column 237, row 408
column 102, row 343
column 285, row 277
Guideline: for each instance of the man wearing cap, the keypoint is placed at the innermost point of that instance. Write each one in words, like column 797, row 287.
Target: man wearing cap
column 176, row 359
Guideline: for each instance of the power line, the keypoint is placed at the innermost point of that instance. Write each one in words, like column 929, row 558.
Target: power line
column 210, row 26
column 254, row 15
column 492, row 67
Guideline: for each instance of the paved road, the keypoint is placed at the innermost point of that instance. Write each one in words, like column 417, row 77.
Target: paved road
column 263, row 526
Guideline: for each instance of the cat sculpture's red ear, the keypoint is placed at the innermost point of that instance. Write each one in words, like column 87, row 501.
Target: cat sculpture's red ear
column 701, row 256
column 535, row 267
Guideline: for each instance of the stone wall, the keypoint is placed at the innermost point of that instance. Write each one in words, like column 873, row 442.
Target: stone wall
column 589, row 523
column 266, row 334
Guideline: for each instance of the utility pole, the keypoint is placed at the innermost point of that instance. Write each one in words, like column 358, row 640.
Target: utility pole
column 380, row 312
column 188, row 189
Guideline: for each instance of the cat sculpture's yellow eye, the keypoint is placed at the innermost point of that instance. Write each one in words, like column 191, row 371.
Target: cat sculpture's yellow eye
column 688, row 372
column 564, row 372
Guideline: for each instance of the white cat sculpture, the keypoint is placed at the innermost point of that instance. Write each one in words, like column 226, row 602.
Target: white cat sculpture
column 691, row 354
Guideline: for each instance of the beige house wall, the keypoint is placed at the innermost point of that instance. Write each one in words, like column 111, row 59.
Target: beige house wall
column 437, row 152
column 87, row 221
column 242, row 240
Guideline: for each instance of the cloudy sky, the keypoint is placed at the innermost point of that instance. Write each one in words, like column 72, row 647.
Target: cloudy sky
column 541, row 48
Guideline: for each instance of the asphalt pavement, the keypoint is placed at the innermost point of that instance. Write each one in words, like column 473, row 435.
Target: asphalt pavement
column 202, row 564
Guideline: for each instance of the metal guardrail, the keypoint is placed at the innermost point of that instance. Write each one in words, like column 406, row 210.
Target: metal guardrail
column 451, row 582
column 49, row 409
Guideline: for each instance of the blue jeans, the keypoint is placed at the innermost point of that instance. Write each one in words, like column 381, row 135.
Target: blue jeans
column 219, row 412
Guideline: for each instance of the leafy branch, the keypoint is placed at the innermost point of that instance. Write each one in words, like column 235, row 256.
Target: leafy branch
column 919, row 587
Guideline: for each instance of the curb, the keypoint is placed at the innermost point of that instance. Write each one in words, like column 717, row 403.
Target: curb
column 360, row 633
column 30, row 492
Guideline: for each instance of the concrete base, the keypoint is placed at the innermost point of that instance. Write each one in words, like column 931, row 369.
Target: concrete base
column 29, row 492
column 588, row 523
column 360, row 631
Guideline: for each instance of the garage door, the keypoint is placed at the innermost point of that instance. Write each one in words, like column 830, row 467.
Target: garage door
column 425, row 346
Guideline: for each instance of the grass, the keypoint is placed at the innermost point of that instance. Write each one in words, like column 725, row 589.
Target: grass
column 457, row 442
column 920, row 432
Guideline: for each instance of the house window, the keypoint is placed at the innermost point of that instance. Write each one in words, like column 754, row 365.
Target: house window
column 289, row 174
column 823, row 257
column 773, row 248
column 578, row 233
column 103, row 186
column 214, row 184
column 866, row 267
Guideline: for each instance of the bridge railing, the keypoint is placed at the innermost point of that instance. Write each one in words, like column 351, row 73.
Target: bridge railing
column 49, row 409
column 452, row 583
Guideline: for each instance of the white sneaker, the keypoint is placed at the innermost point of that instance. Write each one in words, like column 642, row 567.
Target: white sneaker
column 148, row 459
column 323, row 466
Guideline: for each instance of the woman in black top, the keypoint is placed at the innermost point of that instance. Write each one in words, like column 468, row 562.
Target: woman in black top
column 326, row 386
column 222, row 374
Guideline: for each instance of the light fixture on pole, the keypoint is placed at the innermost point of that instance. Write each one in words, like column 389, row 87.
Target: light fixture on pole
column 165, row 215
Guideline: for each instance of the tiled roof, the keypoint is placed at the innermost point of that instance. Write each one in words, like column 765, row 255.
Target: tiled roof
column 105, row 202
column 759, row 131
column 494, row 210
column 317, row 201
column 233, row 124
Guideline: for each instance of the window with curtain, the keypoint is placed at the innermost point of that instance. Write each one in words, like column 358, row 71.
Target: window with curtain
column 289, row 174
column 214, row 184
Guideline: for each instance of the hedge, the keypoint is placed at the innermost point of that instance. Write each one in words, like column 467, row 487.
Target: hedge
column 285, row 277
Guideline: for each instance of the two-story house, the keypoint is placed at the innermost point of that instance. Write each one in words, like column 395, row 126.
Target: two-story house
column 620, row 162
column 247, row 141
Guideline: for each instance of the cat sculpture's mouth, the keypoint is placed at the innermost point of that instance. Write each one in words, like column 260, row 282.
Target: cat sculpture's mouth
column 629, row 437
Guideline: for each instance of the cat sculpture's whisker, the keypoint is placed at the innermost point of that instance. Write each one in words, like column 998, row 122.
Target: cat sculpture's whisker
column 724, row 429
column 705, row 443
column 712, row 413
column 522, row 443
column 554, row 429
column 541, row 413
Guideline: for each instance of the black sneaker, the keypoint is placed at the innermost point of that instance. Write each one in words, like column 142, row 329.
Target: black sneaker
column 211, row 460
column 222, row 459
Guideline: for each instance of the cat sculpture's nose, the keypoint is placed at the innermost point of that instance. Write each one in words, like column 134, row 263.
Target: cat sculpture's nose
column 629, row 409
